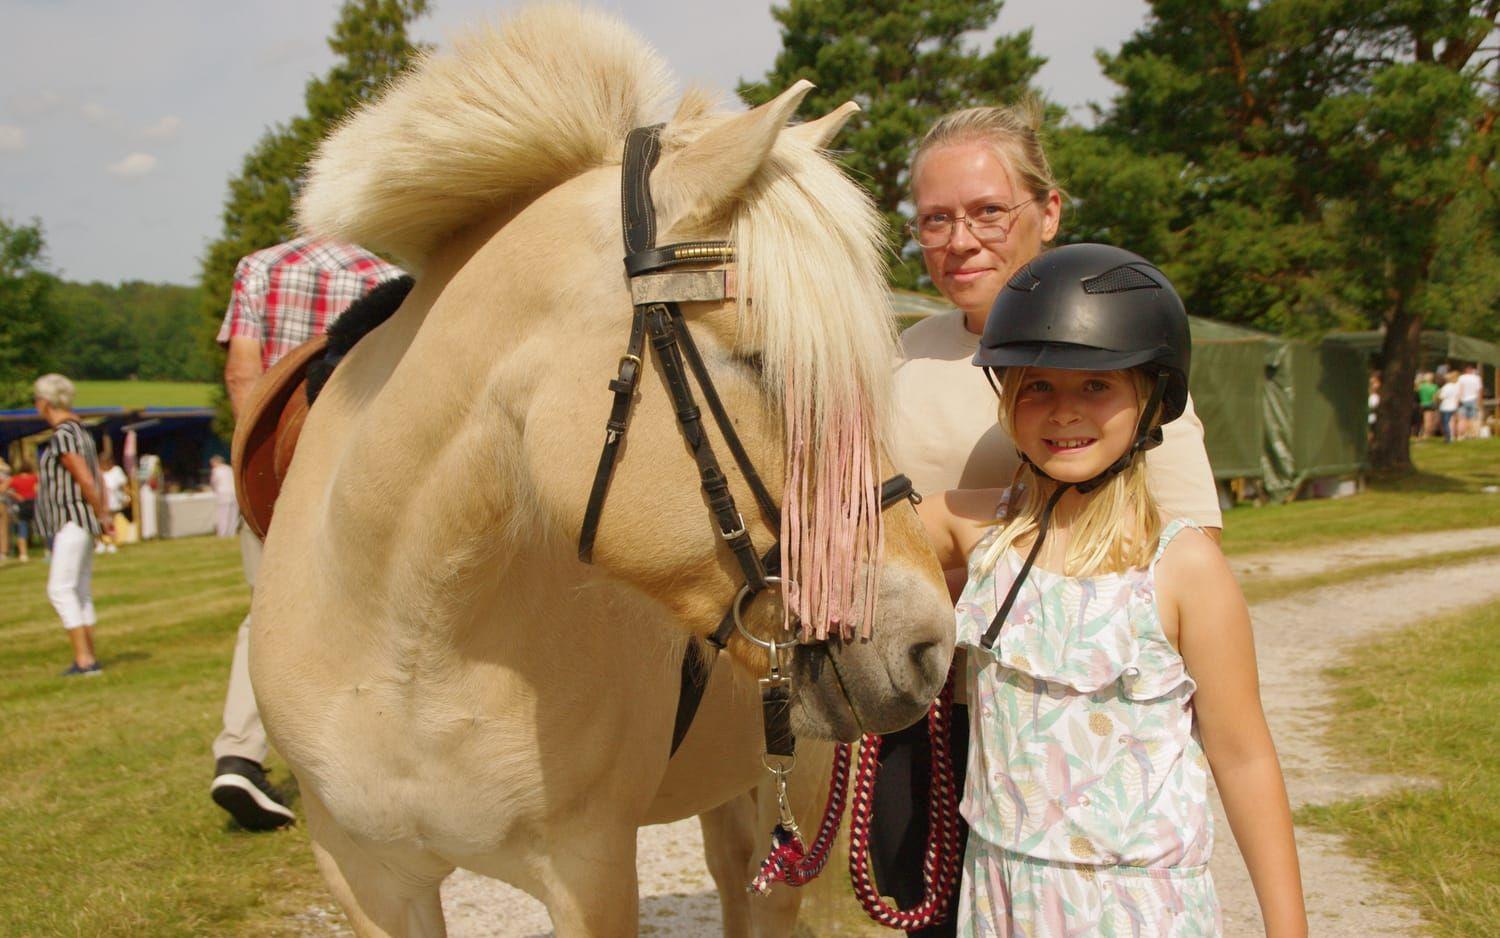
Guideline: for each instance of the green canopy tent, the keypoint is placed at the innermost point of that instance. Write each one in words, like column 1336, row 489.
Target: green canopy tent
column 1437, row 345
column 1281, row 411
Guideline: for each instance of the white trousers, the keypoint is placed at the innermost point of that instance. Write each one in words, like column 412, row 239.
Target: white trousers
column 69, row 580
column 226, row 516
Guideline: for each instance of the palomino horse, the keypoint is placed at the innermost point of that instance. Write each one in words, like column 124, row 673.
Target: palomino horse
column 451, row 686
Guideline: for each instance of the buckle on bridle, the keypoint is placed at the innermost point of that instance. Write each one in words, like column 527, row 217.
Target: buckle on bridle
column 738, row 531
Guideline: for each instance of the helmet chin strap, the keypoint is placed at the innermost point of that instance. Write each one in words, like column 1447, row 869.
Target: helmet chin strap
column 1146, row 437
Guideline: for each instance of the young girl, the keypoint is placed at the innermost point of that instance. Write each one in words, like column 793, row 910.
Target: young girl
column 1110, row 660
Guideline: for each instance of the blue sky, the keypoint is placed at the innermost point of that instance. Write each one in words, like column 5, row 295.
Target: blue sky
column 121, row 123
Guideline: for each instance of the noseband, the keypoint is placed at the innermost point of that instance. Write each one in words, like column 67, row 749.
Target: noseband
column 657, row 287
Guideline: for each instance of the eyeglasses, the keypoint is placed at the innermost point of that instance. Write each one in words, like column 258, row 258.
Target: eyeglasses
column 990, row 224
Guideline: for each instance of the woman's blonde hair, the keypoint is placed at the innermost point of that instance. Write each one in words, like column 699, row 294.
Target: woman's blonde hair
column 1119, row 525
column 55, row 390
column 1014, row 132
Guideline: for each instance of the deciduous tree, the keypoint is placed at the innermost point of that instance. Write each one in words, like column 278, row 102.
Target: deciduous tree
column 370, row 37
column 905, row 62
column 28, row 326
column 1305, row 164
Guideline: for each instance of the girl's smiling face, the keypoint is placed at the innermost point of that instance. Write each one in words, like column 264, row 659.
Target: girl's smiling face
column 1073, row 424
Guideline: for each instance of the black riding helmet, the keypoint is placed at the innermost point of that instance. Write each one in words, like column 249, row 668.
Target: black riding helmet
column 1090, row 307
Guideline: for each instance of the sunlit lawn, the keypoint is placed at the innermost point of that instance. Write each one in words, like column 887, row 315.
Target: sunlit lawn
column 1423, row 703
column 144, row 394
column 1447, row 491
column 104, row 811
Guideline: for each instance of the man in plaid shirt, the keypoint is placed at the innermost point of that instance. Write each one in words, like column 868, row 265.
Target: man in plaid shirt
column 283, row 296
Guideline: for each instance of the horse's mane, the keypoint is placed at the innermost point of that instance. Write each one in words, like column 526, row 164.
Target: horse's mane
column 512, row 111
column 553, row 92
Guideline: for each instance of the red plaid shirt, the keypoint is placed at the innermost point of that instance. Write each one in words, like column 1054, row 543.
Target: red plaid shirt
column 287, row 294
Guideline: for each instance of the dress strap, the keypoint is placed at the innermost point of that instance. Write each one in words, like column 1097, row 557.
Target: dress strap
column 1174, row 527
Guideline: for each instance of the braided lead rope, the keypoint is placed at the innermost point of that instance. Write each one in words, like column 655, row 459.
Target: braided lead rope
column 789, row 862
column 940, row 864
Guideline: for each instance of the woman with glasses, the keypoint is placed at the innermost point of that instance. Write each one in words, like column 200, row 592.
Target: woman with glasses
column 985, row 204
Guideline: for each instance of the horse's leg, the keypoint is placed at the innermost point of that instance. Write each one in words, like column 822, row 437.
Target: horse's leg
column 729, row 849
column 736, row 836
column 590, row 888
column 381, row 900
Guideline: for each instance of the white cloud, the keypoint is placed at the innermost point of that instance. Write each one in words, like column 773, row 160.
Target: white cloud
column 12, row 139
column 97, row 114
column 33, row 104
column 164, row 129
column 136, row 164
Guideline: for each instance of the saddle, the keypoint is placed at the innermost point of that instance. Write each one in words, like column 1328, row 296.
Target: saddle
column 265, row 436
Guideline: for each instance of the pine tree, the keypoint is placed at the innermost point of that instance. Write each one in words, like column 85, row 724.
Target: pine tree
column 906, row 63
column 1306, row 164
column 370, row 37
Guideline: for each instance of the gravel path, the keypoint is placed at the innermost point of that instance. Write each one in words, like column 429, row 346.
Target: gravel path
column 1297, row 637
column 1307, row 561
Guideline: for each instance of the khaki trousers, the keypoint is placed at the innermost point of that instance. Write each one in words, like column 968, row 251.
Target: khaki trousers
column 243, row 734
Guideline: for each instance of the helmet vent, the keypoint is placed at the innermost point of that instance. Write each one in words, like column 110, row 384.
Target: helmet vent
column 1024, row 280
column 1120, row 280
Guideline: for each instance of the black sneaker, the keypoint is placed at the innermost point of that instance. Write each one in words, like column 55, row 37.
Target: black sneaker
column 240, row 787
column 74, row 670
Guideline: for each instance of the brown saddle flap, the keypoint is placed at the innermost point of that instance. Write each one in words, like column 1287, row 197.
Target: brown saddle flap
column 265, row 435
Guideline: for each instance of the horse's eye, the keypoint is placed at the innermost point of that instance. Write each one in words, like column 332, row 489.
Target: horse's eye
column 751, row 360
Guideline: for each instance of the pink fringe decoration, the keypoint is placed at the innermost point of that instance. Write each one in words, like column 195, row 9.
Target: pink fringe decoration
column 831, row 531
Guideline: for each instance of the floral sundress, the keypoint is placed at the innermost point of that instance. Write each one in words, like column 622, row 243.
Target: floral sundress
column 1087, row 791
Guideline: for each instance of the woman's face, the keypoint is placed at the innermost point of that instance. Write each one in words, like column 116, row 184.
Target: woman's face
column 961, row 180
column 1073, row 424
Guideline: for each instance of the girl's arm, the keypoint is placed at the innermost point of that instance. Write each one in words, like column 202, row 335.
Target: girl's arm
column 1214, row 637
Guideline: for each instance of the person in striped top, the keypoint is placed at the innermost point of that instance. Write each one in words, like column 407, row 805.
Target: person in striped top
column 71, row 512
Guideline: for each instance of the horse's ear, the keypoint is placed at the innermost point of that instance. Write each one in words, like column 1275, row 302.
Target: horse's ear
column 711, row 171
column 820, row 133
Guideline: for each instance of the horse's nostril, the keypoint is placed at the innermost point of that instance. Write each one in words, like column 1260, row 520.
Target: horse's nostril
column 925, row 655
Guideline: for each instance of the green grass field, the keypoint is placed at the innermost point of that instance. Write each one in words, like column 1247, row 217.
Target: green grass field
column 1423, row 703
column 144, row 394
column 104, row 806
column 1446, row 492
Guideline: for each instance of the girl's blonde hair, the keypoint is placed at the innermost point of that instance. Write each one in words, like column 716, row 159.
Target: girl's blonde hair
column 1119, row 525
column 1014, row 132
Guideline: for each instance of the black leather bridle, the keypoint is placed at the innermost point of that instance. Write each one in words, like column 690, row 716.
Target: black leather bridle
column 657, row 288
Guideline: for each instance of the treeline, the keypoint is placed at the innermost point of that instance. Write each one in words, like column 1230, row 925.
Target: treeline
column 91, row 331
column 150, row 331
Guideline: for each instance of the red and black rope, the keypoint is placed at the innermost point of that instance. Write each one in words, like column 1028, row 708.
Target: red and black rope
column 790, row 862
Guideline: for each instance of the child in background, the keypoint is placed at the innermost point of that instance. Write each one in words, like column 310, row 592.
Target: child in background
column 1111, row 668
column 22, row 491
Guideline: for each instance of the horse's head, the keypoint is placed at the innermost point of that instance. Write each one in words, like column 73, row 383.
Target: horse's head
column 800, row 350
